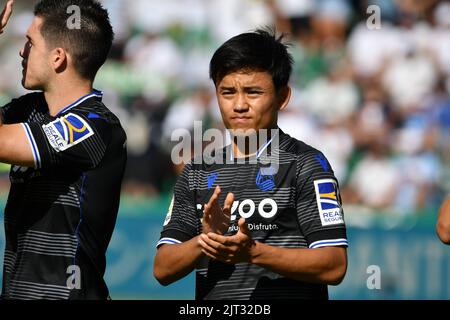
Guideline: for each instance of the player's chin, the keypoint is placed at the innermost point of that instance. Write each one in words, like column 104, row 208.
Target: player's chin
column 30, row 86
column 243, row 132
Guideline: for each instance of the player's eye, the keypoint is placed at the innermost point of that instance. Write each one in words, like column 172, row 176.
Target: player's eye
column 255, row 92
column 227, row 92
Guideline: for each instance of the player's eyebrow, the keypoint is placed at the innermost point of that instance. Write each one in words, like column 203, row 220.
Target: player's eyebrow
column 256, row 88
column 224, row 88
column 246, row 88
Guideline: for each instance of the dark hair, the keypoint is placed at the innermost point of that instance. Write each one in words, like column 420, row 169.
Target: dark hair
column 90, row 44
column 259, row 50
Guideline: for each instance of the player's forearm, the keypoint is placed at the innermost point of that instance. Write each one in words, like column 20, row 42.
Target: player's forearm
column 443, row 223
column 323, row 265
column 175, row 261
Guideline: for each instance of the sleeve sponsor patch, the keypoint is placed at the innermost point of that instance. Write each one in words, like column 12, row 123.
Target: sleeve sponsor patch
column 328, row 202
column 67, row 132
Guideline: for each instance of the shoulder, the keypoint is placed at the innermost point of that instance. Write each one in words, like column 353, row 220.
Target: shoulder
column 94, row 116
column 31, row 100
column 24, row 108
column 309, row 160
column 95, row 111
column 302, row 151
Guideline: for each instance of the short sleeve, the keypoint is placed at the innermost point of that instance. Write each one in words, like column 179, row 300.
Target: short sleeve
column 319, row 204
column 18, row 110
column 74, row 140
column 181, row 223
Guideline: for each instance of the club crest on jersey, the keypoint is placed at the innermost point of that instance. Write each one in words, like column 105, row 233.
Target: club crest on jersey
column 67, row 132
column 327, row 196
column 265, row 179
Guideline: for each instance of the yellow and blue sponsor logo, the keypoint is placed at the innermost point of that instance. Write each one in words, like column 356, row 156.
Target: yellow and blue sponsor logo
column 72, row 128
column 328, row 195
column 328, row 202
column 67, row 131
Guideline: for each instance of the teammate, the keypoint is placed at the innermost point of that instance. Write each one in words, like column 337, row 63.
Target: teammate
column 68, row 155
column 280, row 233
column 443, row 222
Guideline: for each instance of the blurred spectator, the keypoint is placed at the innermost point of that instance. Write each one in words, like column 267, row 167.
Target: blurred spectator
column 375, row 181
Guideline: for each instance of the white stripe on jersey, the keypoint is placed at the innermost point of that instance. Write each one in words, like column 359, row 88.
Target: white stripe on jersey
column 329, row 243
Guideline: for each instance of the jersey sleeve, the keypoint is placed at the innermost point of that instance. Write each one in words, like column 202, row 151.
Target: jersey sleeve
column 181, row 223
column 75, row 141
column 18, row 110
column 319, row 205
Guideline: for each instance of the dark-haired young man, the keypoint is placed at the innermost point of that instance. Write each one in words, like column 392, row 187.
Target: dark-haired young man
column 280, row 233
column 67, row 152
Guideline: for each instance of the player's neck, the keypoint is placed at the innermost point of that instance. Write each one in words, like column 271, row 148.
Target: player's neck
column 63, row 94
column 248, row 146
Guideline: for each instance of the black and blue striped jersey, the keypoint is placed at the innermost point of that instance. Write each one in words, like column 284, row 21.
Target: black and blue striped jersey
column 60, row 215
column 289, row 197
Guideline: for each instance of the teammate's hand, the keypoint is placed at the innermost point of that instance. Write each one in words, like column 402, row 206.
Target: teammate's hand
column 216, row 219
column 6, row 14
column 232, row 249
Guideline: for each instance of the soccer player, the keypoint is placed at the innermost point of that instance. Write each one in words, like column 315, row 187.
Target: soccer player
column 280, row 233
column 68, row 155
column 443, row 222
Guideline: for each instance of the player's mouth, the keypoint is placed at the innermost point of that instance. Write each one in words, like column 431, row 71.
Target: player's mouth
column 241, row 119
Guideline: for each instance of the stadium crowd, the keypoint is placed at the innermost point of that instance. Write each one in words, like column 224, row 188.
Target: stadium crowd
column 372, row 95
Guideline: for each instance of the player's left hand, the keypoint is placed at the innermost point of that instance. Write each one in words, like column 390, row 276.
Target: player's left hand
column 5, row 15
column 229, row 249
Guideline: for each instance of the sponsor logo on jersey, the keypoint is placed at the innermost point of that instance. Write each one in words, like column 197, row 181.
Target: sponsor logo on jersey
column 330, row 210
column 67, row 132
column 266, row 208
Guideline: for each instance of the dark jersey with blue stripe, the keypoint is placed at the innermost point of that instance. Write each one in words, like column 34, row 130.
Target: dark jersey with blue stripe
column 60, row 215
column 289, row 197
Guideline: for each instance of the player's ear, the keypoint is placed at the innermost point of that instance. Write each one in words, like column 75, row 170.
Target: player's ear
column 284, row 95
column 59, row 59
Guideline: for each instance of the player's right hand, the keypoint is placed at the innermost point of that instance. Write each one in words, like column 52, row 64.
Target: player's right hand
column 6, row 14
column 216, row 219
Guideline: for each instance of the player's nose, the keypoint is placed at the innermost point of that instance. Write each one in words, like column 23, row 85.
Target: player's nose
column 240, row 105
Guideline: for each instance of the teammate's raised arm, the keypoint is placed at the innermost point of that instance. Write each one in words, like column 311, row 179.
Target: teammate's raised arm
column 14, row 147
column 4, row 18
column 6, row 14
